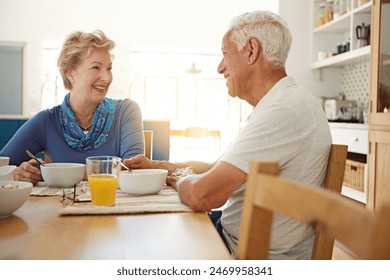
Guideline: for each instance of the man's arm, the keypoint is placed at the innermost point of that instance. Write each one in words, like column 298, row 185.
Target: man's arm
column 210, row 190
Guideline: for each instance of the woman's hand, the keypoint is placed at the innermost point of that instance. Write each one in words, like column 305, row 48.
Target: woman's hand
column 138, row 162
column 28, row 172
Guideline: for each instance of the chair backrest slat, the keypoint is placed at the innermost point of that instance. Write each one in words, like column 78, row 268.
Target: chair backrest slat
column 148, row 136
column 323, row 243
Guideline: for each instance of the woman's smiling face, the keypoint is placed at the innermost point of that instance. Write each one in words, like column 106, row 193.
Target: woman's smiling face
column 93, row 76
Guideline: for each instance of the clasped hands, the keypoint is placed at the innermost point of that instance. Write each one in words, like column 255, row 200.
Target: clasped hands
column 174, row 175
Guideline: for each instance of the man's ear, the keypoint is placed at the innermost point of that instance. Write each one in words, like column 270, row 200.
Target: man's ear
column 254, row 50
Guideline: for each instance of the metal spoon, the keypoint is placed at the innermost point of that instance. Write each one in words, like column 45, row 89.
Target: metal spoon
column 34, row 157
column 125, row 167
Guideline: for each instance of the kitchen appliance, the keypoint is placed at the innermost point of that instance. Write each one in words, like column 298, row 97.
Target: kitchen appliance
column 363, row 35
column 341, row 110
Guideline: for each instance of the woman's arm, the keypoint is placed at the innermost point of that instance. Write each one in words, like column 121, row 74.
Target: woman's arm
column 141, row 162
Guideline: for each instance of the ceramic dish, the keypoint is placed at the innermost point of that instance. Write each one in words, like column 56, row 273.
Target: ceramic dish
column 142, row 181
column 13, row 194
column 62, row 175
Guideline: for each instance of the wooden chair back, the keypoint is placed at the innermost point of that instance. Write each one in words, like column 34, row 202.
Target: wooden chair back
column 196, row 132
column 362, row 232
column 148, row 136
column 323, row 243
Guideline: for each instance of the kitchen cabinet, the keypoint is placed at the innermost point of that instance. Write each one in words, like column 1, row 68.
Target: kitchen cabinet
column 356, row 137
column 380, row 65
column 379, row 115
column 325, row 37
column 379, row 167
column 338, row 30
column 351, row 134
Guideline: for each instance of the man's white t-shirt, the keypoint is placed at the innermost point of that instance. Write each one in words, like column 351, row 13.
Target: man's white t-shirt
column 287, row 125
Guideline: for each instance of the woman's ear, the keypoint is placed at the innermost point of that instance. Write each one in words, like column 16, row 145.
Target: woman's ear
column 70, row 76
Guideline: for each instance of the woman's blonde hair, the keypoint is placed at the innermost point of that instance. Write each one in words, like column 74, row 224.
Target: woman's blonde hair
column 78, row 45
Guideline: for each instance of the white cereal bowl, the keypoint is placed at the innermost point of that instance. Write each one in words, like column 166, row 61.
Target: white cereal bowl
column 142, row 181
column 62, row 175
column 7, row 172
column 12, row 199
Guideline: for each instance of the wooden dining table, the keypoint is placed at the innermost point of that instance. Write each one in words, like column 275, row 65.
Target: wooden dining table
column 37, row 232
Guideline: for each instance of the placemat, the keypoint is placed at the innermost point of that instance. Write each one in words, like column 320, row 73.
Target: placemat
column 43, row 189
column 167, row 200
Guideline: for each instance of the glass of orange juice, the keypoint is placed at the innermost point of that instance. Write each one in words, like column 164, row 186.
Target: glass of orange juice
column 103, row 174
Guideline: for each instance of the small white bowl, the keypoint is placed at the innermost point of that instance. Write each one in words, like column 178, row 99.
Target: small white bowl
column 12, row 199
column 4, row 161
column 142, row 181
column 62, row 175
column 7, row 172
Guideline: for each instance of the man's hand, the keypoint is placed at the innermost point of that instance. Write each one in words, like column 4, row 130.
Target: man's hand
column 177, row 175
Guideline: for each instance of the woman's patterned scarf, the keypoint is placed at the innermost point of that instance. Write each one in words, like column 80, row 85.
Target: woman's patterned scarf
column 102, row 121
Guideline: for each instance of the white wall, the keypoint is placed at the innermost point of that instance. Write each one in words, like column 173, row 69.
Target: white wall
column 297, row 13
column 157, row 24
column 191, row 25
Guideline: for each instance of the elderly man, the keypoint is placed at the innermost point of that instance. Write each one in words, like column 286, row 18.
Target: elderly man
column 287, row 124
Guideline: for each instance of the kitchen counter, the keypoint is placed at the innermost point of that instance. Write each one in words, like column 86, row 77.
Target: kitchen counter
column 348, row 125
column 14, row 117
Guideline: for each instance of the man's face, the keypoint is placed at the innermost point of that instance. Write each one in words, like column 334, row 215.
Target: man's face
column 234, row 68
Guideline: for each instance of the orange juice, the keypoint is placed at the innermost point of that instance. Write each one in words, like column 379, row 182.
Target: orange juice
column 103, row 189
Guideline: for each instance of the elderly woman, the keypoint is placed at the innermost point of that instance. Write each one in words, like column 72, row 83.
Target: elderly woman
column 87, row 123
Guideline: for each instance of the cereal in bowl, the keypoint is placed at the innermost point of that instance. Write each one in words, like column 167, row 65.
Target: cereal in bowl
column 9, row 187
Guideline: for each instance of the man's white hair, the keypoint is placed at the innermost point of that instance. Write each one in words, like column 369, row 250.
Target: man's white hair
column 269, row 29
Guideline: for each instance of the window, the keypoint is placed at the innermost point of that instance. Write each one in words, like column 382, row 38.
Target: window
column 186, row 89
column 11, row 78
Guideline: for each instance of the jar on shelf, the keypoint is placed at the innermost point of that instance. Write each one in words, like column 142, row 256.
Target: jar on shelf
column 361, row 2
column 348, row 4
column 342, row 7
column 328, row 12
column 321, row 14
column 336, row 9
